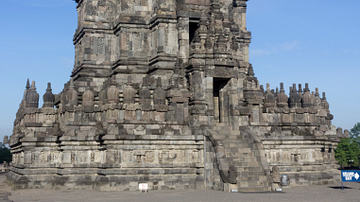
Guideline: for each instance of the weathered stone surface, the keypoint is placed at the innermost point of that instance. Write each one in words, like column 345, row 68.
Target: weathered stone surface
column 163, row 93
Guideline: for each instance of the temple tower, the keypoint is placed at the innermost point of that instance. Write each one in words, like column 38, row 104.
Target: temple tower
column 162, row 92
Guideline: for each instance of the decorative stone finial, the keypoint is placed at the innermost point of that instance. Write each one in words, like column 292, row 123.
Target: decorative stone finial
column 158, row 82
column 307, row 99
column 262, row 88
column 129, row 79
column 71, row 95
column 203, row 20
column 27, row 84
column 282, row 88
column 282, row 99
column 269, row 97
column 251, row 71
column 33, row 85
column 27, row 87
column 48, row 97
column 226, row 21
column 317, row 94
column 324, row 104
column 295, row 98
column 306, row 89
column 300, row 89
column 32, row 97
column 316, row 97
column 147, row 80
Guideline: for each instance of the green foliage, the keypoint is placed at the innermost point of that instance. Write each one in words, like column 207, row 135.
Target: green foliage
column 5, row 154
column 355, row 133
column 348, row 150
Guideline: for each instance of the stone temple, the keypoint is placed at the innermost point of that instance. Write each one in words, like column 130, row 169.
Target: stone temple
column 162, row 92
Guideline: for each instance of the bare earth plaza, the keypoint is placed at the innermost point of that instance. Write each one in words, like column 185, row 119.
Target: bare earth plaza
column 162, row 93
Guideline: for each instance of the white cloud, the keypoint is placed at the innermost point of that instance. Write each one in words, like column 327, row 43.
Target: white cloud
column 271, row 49
column 351, row 51
column 289, row 45
column 260, row 52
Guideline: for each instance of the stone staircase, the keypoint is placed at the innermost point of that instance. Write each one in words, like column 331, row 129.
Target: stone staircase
column 251, row 176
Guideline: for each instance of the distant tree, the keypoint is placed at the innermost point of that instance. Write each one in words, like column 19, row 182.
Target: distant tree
column 355, row 133
column 348, row 150
column 342, row 152
column 5, row 154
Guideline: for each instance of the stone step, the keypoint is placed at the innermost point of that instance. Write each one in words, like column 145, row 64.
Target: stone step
column 248, row 168
column 241, row 157
column 245, row 179
column 255, row 189
column 236, row 144
column 232, row 143
column 240, row 139
column 250, row 174
column 242, row 178
column 237, row 161
column 236, row 153
column 244, row 156
column 237, row 150
column 248, row 164
column 233, row 157
column 244, row 173
column 253, row 183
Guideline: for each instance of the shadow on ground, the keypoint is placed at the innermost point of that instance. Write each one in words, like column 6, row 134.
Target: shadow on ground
column 339, row 187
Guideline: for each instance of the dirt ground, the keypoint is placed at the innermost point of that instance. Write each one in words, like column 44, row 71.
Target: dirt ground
column 351, row 193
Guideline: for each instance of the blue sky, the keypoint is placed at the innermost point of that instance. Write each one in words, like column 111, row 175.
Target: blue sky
column 315, row 42
column 307, row 41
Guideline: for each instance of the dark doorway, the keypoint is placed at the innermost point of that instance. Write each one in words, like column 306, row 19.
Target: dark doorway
column 221, row 99
column 193, row 26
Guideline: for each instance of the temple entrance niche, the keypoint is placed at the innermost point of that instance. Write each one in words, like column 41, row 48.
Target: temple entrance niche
column 221, row 99
column 193, row 26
